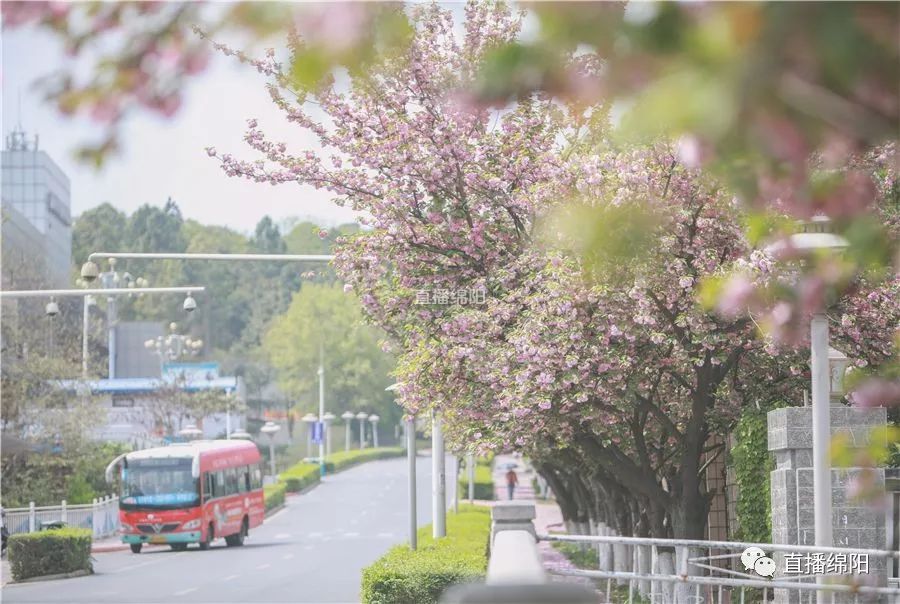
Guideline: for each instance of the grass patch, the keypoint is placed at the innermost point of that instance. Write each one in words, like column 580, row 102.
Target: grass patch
column 484, row 482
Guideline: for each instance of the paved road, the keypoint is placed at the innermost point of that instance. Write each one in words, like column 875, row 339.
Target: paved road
column 313, row 551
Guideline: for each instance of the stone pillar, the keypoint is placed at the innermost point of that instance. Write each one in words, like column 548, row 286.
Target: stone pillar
column 515, row 515
column 855, row 523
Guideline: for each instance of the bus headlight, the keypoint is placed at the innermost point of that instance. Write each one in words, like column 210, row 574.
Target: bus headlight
column 191, row 524
column 125, row 528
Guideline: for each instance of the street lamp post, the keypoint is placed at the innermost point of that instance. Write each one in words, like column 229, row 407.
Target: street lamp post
column 270, row 428
column 347, row 416
column 361, row 416
column 322, row 408
column 438, row 482
column 411, row 470
column 374, row 419
column 816, row 236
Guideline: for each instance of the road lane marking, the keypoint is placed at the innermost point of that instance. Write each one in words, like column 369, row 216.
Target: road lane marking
column 282, row 535
column 184, row 592
column 350, row 535
column 287, row 556
column 230, row 577
column 386, row 535
column 263, row 566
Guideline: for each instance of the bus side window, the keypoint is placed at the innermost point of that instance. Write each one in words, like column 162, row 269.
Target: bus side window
column 220, row 484
column 207, row 486
column 244, row 479
column 257, row 475
column 231, row 486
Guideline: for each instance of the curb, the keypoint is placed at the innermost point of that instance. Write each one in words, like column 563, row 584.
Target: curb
column 119, row 547
column 71, row 575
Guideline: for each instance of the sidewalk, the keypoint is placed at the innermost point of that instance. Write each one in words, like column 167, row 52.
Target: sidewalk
column 548, row 517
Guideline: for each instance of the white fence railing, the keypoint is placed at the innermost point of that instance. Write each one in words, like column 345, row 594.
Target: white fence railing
column 666, row 571
column 101, row 516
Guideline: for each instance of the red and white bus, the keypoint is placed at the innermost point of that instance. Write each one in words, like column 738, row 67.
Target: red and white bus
column 190, row 493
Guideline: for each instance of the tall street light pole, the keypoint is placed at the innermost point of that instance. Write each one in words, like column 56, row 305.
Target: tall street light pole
column 438, row 483
column 322, row 409
column 410, row 425
column 816, row 236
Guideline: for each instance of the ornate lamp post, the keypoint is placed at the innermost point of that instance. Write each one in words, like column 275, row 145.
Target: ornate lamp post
column 361, row 416
column 347, row 416
column 173, row 346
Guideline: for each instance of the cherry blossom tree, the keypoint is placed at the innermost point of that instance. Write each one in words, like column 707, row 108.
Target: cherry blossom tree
column 593, row 357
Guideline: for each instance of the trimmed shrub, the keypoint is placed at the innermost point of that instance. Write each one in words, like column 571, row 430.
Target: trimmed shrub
column 299, row 476
column 49, row 552
column 344, row 459
column 274, row 495
column 484, row 483
column 403, row 576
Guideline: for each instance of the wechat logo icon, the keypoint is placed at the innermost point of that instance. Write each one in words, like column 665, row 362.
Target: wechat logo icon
column 755, row 559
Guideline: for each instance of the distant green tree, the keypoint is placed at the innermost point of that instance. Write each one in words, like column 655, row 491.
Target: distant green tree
column 357, row 371
column 100, row 229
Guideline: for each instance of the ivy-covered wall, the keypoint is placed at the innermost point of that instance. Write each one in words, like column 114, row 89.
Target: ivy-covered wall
column 752, row 463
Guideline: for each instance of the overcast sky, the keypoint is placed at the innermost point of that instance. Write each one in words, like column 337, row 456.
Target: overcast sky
column 163, row 158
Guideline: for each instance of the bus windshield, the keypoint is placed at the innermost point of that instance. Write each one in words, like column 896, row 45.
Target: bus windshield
column 159, row 483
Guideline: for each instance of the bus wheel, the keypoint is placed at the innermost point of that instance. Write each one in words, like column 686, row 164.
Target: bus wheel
column 238, row 539
column 209, row 537
column 179, row 547
column 136, row 548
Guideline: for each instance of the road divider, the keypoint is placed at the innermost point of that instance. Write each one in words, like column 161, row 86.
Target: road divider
column 421, row 576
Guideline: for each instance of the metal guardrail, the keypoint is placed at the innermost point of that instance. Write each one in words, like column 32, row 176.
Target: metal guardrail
column 702, row 572
column 101, row 517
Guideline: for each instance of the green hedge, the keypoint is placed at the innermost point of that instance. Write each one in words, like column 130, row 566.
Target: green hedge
column 403, row 576
column 299, row 476
column 484, row 482
column 344, row 459
column 274, row 495
column 304, row 474
column 49, row 552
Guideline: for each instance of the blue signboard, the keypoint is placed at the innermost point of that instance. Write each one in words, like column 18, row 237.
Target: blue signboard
column 318, row 432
